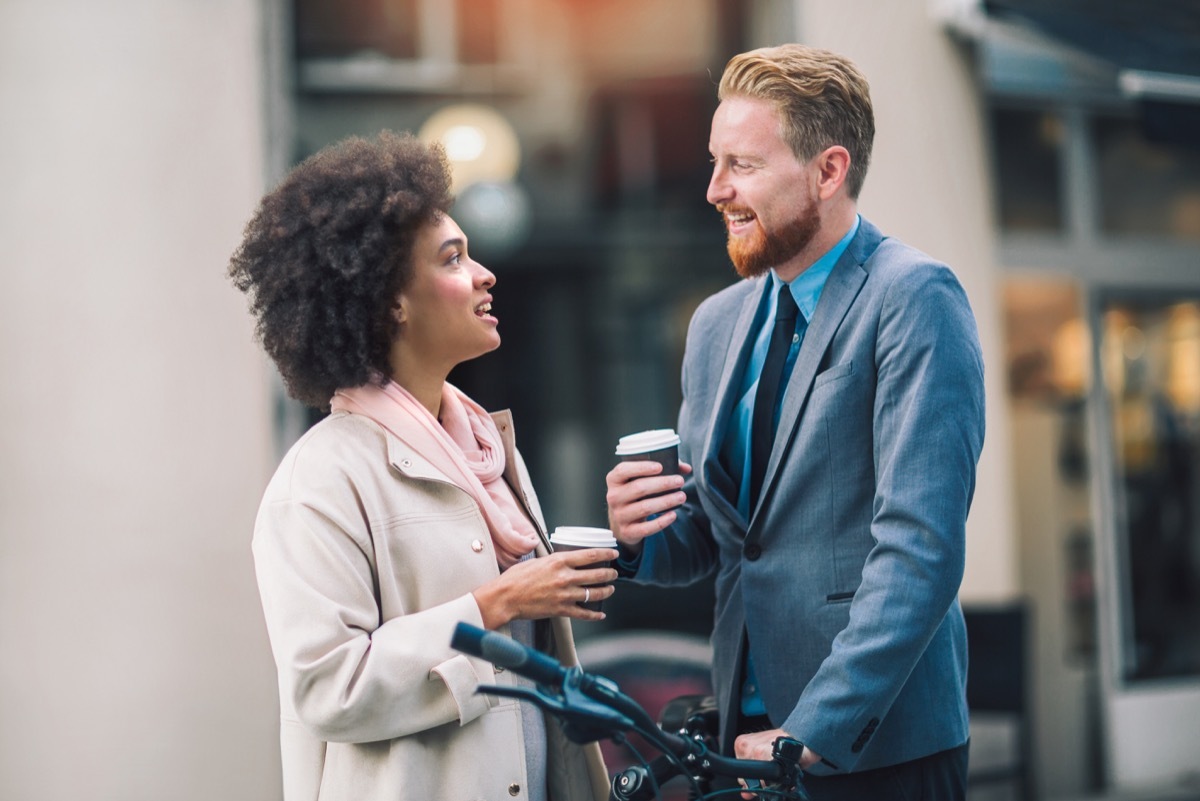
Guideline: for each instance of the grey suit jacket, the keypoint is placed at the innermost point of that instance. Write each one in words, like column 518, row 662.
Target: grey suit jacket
column 844, row 581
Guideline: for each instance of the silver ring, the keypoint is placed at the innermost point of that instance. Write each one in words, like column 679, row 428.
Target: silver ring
column 587, row 594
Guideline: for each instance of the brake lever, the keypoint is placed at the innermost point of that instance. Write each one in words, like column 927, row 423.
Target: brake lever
column 785, row 752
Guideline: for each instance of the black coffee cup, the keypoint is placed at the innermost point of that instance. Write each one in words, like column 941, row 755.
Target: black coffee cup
column 577, row 538
column 657, row 445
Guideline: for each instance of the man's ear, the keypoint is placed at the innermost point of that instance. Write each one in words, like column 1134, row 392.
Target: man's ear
column 834, row 165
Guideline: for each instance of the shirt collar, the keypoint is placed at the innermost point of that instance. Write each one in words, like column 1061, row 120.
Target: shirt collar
column 806, row 287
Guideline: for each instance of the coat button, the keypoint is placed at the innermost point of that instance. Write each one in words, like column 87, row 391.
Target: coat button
column 514, row 789
column 476, row 546
column 406, row 463
column 753, row 551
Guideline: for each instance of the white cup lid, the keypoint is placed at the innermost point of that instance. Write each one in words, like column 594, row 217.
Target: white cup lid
column 647, row 441
column 583, row 536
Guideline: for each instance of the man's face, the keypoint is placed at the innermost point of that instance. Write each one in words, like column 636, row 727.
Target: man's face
column 766, row 196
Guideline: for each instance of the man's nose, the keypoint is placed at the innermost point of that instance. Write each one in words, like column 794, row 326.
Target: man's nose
column 718, row 187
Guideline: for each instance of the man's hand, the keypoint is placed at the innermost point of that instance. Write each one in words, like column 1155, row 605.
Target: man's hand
column 633, row 496
column 761, row 744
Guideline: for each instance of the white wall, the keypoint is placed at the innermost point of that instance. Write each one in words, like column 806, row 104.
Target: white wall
column 134, row 416
column 929, row 184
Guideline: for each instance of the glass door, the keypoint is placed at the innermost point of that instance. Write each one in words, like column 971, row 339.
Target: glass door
column 1147, row 432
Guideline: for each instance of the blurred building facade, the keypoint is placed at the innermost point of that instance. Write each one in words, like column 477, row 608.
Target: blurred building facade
column 140, row 423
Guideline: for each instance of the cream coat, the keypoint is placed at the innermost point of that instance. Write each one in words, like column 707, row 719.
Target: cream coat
column 366, row 557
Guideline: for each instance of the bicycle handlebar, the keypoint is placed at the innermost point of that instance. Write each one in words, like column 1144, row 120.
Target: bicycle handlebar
column 593, row 707
column 507, row 653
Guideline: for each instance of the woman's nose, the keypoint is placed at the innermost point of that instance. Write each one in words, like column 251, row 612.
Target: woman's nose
column 483, row 276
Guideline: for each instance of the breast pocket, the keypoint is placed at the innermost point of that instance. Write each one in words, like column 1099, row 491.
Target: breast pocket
column 431, row 556
column 835, row 373
column 843, row 398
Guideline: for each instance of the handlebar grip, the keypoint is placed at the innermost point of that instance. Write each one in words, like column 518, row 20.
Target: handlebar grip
column 507, row 653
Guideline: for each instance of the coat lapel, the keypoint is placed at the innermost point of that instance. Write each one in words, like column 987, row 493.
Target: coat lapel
column 513, row 477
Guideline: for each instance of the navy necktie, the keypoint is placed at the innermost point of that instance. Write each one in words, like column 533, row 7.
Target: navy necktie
column 762, row 426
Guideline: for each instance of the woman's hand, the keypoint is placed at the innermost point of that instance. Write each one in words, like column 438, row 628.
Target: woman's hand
column 550, row 586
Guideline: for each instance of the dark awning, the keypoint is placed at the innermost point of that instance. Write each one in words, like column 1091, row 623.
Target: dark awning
column 1143, row 52
column 1155, row 36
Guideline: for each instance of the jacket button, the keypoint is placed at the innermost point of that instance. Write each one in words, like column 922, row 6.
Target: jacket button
column 406, row 463
column 753, row 551
column 476, row 546
column 514, row 789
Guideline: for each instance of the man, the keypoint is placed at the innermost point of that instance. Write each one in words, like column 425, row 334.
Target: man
column 833, row 507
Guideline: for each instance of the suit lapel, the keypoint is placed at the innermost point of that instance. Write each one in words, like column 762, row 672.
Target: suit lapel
column 841, row 288
column 736, row 354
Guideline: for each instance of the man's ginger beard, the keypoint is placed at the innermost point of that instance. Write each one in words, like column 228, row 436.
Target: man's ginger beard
column 753, row 255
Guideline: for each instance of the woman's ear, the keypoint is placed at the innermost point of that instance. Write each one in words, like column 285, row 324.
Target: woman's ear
column 400, row 310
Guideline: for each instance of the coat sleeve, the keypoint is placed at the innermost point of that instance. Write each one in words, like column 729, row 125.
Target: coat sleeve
column 928, row 434
column 347, row 675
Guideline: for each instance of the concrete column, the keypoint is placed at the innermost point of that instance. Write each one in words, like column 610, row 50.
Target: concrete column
column 134, row 414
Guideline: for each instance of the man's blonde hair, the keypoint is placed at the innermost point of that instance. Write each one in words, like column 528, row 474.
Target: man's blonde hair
column 822, row 100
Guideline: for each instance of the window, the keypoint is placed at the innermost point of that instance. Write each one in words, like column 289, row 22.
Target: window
column 1148, row 174
column 1150, row 355
column 332, row 29
column 1027, row 153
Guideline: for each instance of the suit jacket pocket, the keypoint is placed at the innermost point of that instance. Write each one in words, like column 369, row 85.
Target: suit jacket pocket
column 834, row 373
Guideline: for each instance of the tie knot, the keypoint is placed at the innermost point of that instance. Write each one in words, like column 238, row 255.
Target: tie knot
column 786, row 309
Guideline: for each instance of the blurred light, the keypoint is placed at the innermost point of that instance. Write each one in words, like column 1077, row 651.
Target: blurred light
column 1183, row 358
column 1133, row 343
column 464, row 143
column 494, row 216
column 480, row 144
column 1070, row 349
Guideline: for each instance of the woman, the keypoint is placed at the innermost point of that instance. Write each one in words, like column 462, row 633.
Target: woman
column 408, row 508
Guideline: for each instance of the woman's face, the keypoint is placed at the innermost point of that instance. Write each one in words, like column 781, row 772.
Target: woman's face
column 445, row 312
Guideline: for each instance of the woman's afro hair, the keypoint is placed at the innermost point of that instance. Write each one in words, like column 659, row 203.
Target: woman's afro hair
column 327, row 253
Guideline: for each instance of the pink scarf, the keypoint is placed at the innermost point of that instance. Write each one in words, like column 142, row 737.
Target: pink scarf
column 466, row 446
